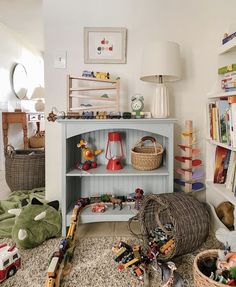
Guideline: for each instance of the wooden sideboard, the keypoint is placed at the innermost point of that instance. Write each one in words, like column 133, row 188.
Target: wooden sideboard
column 19, row 118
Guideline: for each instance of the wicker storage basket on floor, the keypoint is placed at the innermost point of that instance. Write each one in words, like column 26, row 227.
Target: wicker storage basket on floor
column 200, row 280
column 188, row 216
column 146, row 157
column 24, row 169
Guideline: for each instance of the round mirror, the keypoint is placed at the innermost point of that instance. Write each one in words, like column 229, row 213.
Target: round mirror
column 19, row 81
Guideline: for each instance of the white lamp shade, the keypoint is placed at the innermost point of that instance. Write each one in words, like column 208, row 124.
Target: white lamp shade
column 161, row 59
column 38, row 93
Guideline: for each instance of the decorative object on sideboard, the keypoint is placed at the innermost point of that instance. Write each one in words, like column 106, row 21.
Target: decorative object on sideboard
column 161, row 64
column 38, row 96
column 137, row 105
column 114, row 151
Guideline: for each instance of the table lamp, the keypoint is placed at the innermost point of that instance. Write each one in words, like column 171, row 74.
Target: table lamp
column 38, row 95
column 161, row 64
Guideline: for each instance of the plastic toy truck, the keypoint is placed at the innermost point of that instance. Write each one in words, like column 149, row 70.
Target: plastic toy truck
column 10, row 261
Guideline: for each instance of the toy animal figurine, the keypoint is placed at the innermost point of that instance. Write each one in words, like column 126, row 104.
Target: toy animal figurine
column 138, row 198
column 88, row 155
column 228, row 262
column 114, row 200
column 169, row 276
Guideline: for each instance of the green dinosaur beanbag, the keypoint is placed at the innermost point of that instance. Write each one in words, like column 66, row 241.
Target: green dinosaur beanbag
column 35, row 223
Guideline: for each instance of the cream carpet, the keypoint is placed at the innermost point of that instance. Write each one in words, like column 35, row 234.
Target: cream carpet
column 93, row 265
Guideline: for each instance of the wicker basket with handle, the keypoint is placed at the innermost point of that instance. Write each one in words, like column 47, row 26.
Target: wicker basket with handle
column 24, row 169
column 201, row 280
column 145, row 157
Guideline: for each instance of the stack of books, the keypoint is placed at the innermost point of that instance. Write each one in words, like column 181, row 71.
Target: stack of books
column 228, row 81
column 222, row 127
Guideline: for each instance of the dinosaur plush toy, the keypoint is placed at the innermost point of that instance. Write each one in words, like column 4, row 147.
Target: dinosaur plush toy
column 35, row 223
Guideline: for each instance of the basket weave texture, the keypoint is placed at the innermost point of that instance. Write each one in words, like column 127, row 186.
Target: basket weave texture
column 146, row 157
column 24, row 169
column 200, row 280
column 188, row 216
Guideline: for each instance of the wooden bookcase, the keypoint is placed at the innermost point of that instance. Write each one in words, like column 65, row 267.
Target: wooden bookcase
column 87, row 93
column 94, row 182
column 217, row 193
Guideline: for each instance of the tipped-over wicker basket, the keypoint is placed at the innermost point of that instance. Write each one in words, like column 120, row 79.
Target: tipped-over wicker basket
column 145, row 157
column 24, row 169
column 188, row 216
column 200, row 280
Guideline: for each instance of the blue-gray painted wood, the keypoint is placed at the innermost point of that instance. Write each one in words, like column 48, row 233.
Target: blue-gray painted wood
column 75, row 183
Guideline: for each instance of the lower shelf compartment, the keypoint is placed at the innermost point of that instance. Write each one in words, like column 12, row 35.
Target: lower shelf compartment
column 110, row 214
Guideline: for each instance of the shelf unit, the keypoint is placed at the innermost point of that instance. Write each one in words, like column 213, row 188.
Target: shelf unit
column 84, row 93
column 217, row 193
column 94, row 182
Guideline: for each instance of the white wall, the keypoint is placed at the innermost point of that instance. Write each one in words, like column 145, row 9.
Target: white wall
column 14, row 49
column 197, row 26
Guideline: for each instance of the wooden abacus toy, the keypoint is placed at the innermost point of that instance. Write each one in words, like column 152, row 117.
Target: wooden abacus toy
column 190, row 171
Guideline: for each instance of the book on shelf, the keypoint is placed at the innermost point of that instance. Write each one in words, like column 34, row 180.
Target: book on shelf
column 222, row 158
column 231, row 171
column 222, row 120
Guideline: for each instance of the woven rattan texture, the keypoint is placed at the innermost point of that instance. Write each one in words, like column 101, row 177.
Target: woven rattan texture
column 146, row 157
column 188, row 216
column 25, row 169
column 200, row 280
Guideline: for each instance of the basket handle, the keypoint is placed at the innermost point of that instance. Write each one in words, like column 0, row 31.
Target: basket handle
column 152, row 139
column 10, row 150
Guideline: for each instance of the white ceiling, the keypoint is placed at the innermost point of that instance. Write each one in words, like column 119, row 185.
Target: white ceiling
column 25, row 17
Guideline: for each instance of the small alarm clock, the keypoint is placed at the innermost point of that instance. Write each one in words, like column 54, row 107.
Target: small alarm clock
column 137, row 105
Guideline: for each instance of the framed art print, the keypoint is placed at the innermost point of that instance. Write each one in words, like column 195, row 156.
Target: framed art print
column 105, row 45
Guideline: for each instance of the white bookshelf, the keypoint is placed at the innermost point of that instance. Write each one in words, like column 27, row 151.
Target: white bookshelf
column 217, row 193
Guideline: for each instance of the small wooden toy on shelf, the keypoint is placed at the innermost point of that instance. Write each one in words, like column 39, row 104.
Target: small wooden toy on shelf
column 190, row 171
column 88, row 155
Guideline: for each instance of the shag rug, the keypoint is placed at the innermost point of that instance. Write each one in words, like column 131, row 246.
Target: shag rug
column 93, row 265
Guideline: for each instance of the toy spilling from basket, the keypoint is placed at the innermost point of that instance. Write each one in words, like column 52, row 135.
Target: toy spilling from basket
column 217, row 267
column 138, row 259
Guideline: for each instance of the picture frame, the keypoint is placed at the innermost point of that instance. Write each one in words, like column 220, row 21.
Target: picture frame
column 105, row 45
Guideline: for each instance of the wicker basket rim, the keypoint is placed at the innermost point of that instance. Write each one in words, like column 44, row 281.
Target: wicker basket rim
column 155, row 146
column 195, row 266
column 143, row 153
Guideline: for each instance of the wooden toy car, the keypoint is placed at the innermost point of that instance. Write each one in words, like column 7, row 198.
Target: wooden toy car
column 87, row 115
column 101, row 115
column 114, row 115
column 88, row 74
column 126, row 115
column 98, row 207
column 102, row 75
column 10, row 261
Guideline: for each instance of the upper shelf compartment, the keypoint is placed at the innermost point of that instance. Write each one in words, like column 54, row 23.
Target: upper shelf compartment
column 228, row 47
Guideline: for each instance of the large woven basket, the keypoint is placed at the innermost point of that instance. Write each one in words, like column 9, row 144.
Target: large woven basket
column 200, row 280
column 145, row 157
column 188, row 216
column 24, row 169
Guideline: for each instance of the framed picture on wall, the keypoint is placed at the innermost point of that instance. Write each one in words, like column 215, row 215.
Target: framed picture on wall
column 105, row 45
